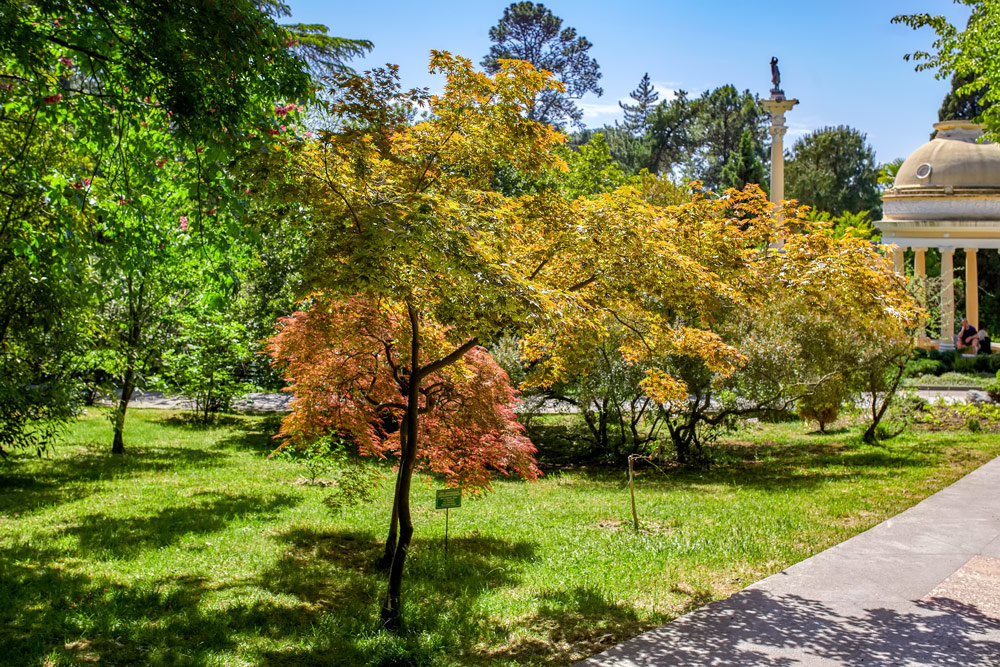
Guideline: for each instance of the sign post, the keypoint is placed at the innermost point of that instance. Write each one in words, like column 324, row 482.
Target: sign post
column 445, row 499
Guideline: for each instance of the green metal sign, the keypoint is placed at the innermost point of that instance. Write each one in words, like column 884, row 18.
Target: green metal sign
column 448, row 498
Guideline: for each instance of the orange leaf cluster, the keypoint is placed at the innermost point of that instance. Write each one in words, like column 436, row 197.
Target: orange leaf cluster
column 347, row 364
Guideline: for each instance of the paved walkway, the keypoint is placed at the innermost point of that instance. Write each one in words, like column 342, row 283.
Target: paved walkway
column 922, row 588
column 254, row 402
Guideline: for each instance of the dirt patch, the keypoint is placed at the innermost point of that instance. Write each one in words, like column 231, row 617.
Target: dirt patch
column 645, row 527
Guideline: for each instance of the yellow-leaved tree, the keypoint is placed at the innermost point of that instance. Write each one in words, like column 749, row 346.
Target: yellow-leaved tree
column 407, row 212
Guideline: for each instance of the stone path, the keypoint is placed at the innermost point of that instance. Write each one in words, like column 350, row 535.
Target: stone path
column 922, row 588
column 254, row 402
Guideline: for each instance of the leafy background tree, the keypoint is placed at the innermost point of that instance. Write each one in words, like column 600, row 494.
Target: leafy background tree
column 721, row 117
column 833, row 169
column 120, row 125
column 531, row 32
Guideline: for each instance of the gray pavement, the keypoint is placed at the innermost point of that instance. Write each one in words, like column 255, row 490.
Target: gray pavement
column 922, row 588
column 253, row 402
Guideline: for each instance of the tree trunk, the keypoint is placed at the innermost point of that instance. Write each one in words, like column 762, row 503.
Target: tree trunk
column 869, row 434
column 385, row 561
column 128, row 386
column 392, row 616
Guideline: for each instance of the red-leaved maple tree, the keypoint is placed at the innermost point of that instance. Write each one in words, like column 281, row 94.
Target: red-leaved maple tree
column 347, row 362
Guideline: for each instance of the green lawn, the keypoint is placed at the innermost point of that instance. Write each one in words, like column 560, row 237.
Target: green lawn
column 196, row 549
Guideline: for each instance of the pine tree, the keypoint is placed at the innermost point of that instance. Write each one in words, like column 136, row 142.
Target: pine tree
column 637, row 115
column 744, row 166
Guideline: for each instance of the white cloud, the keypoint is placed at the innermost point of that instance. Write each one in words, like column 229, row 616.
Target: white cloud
column 606, row 112
column 592, row 110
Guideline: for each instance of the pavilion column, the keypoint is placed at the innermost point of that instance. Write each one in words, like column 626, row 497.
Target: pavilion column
column 898, row 259
column 920, row 279
column 919, row 263
column 971, row 287
column 947, row 299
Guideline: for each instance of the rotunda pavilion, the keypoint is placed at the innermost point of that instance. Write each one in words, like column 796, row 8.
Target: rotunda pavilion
column 946, row 198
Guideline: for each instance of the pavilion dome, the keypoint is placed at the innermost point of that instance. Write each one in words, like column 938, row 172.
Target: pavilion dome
column 952, row 177
column 953, row 158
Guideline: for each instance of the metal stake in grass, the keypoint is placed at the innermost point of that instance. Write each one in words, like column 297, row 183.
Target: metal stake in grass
column 631, row 488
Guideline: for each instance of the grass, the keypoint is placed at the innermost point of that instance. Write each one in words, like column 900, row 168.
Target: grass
column 195, row 548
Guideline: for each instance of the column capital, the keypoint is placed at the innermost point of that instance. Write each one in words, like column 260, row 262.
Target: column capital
column 918, row 249
column 970, row 251
column 946, row 249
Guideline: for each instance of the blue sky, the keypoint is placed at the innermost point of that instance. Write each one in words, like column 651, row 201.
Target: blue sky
column 842, row 59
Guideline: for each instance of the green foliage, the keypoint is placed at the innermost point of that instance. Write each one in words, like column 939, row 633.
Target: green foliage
column 960, row 103
column 120, row 130
column 531, row 32
column 887, row 173
column 591, row 169
column 317, row 457
column 672, row 136
column 353, row 482
column 966, row 56
column 856, row 224
column 204, row 361
column 833, row 169
column 823, row 403
column 915, row 367
column 720, row 119
column 745, row 166
column 993, row 388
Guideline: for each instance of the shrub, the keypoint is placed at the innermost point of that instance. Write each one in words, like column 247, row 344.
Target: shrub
column 822, row 405
column 917, row 367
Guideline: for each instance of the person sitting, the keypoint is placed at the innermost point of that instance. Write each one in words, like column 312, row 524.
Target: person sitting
column 982, row 343
column 966, row 334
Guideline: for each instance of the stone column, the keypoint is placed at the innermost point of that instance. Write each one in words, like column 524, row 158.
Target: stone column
column 777, row 106
column 898, row 259
column 947, row 299
column 971, row 287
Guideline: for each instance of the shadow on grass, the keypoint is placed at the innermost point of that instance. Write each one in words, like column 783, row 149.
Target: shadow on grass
column 124, row 537
column 52, row 616
column 318, row 604
column 64, row 479
column 569, row 626
column 331, row 574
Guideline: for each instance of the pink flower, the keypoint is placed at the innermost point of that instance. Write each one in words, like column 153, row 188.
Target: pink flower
column 309, row 134
column 281, row 127
column 162, row 161
column 68, row 62
column 184, row 223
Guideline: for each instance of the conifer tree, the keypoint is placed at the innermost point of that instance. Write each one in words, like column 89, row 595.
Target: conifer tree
column 637, row 115
column 744, row 166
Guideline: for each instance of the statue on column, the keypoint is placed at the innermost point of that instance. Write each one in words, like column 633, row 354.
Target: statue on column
column 776, row 92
